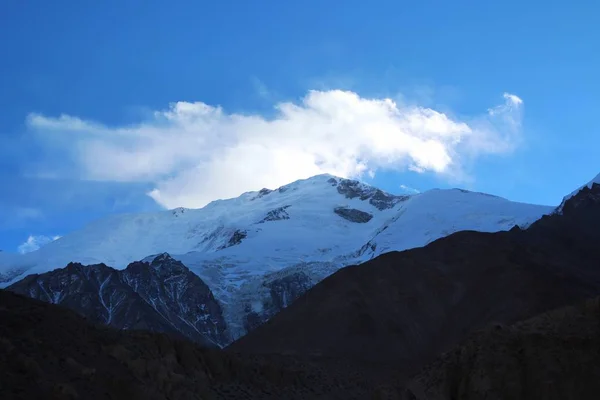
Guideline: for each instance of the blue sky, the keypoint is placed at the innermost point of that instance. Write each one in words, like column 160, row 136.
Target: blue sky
column 113, row 68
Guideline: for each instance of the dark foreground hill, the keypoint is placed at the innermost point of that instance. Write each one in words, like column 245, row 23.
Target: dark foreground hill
column 553, row 356
column 405, row 308
column 51, row 352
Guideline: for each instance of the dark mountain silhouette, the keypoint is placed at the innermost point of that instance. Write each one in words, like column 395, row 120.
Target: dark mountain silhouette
column 50, row 352
column 405, row 308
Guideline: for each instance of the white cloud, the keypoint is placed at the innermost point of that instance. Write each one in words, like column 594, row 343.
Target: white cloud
column 409, row 189
column 34, row 242
column 514, row 99
column 195, row 153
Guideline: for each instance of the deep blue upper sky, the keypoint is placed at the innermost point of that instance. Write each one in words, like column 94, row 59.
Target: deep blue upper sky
column 115, row 62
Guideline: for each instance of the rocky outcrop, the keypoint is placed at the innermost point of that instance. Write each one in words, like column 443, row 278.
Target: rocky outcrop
column 235, row 239
column 287, row 289
column 179, row 211
column 353, row 215
column 369, row 246
column 587, row 197
column 277, row 214
column 180, row 296
column 162, row 296
column 262, row 193
column 282, row 291
column 354, row 189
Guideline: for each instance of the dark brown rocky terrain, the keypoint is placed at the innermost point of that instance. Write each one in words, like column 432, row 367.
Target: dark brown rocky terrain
column 555, row 355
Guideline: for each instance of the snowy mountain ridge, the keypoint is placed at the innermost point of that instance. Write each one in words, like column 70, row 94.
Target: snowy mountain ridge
column 261, row 250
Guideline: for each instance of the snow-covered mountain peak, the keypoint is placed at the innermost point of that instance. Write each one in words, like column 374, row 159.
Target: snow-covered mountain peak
column 288, row 220
column 163, row 260
column 262, row 249
column 320, row 193
column 286, row 223
column 162, row 257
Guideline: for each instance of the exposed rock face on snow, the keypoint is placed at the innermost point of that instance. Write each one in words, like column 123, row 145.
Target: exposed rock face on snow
column 261, row 250
column 353, row 215
column 236, row 238
column 377, row 198
column 277, row 214
column 162, row 296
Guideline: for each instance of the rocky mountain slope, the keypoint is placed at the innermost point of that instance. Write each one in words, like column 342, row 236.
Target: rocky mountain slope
column 260, row 251
column 589, row 185
column 161, row 296
column 407, row 307
column 552, row 356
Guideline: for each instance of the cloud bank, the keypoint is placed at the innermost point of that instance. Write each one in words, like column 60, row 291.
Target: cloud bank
column 33, row 243
column 194, row 152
